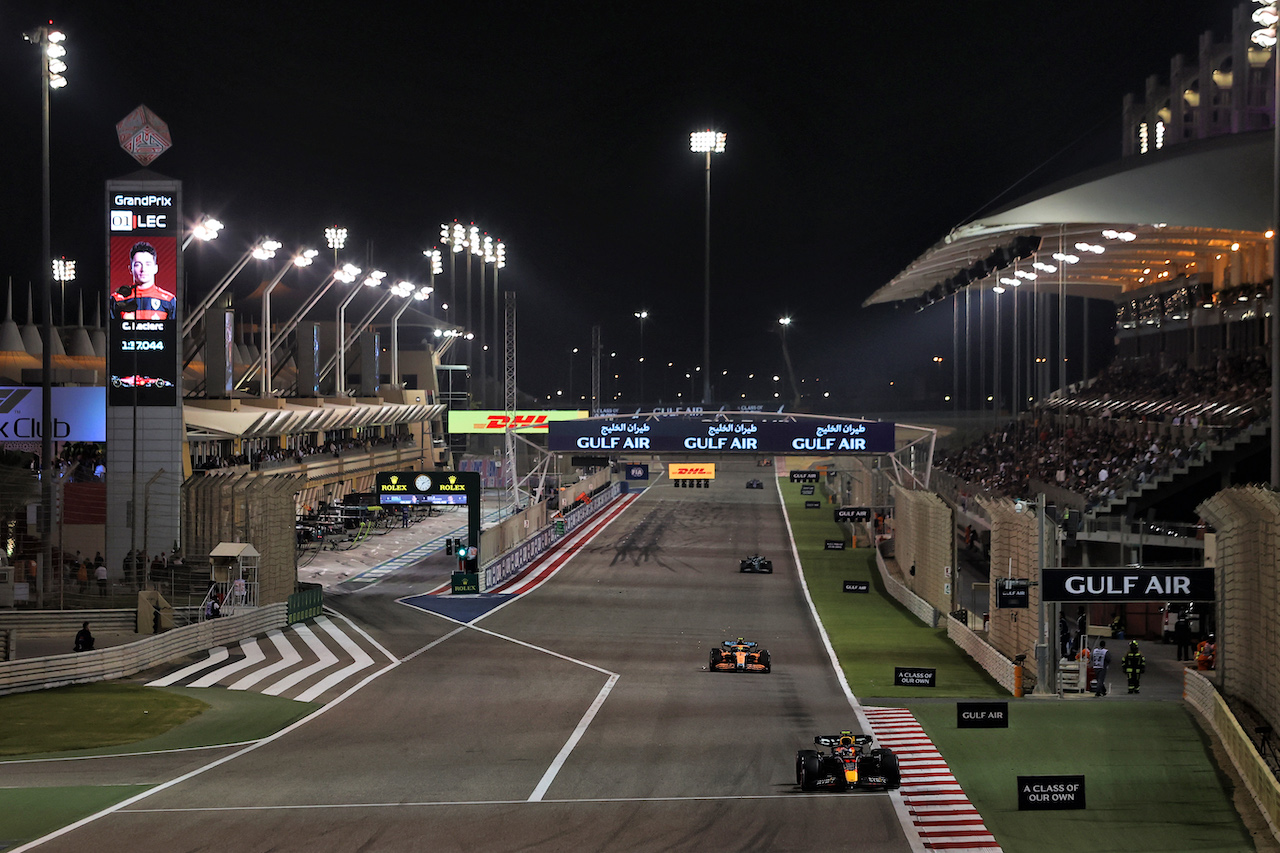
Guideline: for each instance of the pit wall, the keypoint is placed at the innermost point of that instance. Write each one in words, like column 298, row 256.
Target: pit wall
column 517, row 558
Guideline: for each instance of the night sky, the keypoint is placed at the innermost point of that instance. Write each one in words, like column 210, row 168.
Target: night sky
column 858, row 135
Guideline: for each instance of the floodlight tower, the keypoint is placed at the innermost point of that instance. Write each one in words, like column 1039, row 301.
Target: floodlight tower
column 63, row 272
column 302, row 259
column 707, row 142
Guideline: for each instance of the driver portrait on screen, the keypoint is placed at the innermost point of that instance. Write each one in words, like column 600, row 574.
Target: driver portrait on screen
column 143, row 299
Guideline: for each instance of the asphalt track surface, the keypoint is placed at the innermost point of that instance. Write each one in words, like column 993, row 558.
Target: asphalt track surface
column 580, row 716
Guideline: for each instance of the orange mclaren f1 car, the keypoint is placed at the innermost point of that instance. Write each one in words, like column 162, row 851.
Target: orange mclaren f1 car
column 740, row 656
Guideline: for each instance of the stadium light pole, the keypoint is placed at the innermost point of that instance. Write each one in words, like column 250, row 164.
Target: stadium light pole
column 708, row 142
column 784, row 323
column 51, row 68
column 434, row 257
column 373, row 279
column 641, row 315
column 302, row 259
column 63, row 272
column 336, row 237
column 420, row 294
column 1267, row 16
column 495, row 252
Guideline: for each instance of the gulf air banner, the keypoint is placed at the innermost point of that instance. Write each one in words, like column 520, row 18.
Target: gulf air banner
column 691, row 470
column 465, row 421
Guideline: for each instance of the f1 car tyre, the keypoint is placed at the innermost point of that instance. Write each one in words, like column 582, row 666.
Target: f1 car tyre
column 767, row 661
column 887, row 766
column 808, row 769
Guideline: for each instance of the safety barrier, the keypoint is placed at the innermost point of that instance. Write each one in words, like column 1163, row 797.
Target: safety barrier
column 1200, row 694
column 306, row 603
column 514, row 561
column 122, row 661
column 997, row 665
column 923, row 610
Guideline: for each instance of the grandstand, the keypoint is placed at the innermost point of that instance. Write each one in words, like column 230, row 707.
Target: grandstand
column 1152, row 460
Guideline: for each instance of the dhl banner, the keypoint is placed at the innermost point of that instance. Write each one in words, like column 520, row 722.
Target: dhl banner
column 464, row 421
column 691, row 470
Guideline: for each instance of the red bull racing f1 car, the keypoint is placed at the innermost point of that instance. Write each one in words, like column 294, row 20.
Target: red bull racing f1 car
column 851, row 763
column 740, row 656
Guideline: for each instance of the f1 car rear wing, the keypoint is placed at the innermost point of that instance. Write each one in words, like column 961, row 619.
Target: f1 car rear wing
column 834, row 740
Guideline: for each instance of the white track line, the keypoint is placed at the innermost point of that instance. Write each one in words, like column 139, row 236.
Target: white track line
column 825, row 796
column 321, row 651
column 252, row 655
column 216, row 655
column 550, row 775
column 360, row 660
column 288, row 657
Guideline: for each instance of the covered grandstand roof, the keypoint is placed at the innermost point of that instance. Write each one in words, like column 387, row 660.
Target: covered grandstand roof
column 1182, row 205
column 250, row 421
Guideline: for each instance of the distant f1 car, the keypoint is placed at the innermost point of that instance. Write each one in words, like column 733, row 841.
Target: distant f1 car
column 756, row 563
column 740, row 656
column 852, row 763
column 754, row 484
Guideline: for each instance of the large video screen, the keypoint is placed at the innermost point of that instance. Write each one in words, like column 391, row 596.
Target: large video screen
column 142, row 300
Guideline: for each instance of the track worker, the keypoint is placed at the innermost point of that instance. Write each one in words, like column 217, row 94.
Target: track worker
column 1134, row 664
column 1101, row 661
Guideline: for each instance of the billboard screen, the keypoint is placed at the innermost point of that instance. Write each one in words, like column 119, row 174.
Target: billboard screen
column 143, row 331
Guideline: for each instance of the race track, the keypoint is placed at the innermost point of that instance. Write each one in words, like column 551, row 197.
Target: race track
column 580, row 716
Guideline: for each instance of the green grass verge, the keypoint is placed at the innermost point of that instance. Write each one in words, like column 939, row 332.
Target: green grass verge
column 1151, row 781
column 89, row 716
column 872, row 633
column 107, row 719
column 220, row 717
column 29, row 813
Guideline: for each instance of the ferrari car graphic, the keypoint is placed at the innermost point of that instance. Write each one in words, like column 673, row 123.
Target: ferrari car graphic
column 137, row 381
column 755, row 484
column 740, row 656
column 851, row 763
column 755, row 563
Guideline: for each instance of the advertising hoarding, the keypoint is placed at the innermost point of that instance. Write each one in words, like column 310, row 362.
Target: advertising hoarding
column 79, row 414
column 466, row 421
column 685, row 434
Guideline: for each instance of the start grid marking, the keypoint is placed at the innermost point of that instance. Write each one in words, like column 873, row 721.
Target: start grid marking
column 942, row 814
